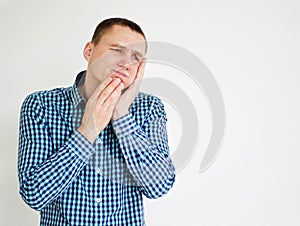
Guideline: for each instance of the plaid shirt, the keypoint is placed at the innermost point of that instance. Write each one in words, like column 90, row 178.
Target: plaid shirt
column 73, row 182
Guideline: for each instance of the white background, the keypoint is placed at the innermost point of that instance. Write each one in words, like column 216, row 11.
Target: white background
column 250, row 47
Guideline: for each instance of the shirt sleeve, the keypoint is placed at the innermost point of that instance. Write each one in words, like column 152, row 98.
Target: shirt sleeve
column 146, row 151
column 45, row 173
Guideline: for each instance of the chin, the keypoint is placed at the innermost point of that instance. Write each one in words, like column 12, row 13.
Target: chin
column 124, row 90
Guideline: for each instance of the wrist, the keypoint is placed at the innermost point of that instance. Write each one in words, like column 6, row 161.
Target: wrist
column 90, row 136
column 118, row 113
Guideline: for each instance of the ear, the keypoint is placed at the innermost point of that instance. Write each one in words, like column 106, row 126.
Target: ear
column 88, row 51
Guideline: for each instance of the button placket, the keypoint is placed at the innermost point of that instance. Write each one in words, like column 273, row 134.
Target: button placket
column 98, row 170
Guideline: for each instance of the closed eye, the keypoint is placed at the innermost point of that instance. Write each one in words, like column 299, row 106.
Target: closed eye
column 117, row 50
column 136, row 58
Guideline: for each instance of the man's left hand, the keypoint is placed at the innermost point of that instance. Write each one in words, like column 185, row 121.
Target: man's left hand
column 126, row 99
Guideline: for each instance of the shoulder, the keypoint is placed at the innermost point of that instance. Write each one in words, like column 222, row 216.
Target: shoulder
column 146, row 106
column 147, row 100
column 39, row 100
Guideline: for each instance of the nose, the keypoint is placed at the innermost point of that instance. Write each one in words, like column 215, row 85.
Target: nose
column 125, row 62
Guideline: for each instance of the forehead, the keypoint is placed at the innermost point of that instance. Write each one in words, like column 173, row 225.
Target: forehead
column 123, row 36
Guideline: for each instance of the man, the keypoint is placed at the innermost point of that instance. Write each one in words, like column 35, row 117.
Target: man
column 87, row 153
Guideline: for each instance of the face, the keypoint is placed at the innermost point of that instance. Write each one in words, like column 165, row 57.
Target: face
column 118, row 54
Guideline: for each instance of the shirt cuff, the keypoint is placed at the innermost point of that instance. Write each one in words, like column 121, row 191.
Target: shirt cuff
column 81, row 146
column 124, row 125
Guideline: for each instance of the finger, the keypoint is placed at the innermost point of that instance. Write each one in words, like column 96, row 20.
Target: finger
column 139, row 74
column 99, row 89
column 113, row 99
column 141, row 69
column 106, row 92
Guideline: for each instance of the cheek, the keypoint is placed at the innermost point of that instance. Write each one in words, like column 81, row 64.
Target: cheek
column 103, row 64
column 106, row 59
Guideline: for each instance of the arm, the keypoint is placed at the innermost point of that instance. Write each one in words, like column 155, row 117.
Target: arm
column 146, row 151
column 45, row 173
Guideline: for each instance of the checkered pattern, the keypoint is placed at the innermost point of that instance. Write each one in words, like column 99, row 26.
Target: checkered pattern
column 73, row 182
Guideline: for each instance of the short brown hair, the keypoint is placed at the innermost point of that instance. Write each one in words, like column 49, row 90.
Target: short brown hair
column 108, row 23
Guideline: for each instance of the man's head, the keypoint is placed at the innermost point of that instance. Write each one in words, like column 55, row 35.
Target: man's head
column 117, row 49
column 108, row 23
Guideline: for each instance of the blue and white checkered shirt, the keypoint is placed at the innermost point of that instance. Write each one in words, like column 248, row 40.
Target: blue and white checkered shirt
column 73, row 182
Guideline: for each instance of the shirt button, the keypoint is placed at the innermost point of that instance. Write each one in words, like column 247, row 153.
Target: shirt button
column 117, row 130
column 98, row 200
column 98, row 170
column 126, row 157
column 99, row 141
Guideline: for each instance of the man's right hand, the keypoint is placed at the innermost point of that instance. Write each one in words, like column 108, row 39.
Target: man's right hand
column 100, row 107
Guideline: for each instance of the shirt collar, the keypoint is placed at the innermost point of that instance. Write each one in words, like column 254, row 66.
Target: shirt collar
column 76, row 97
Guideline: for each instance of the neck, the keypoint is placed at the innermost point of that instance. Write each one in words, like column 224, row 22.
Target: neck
column 88, row 87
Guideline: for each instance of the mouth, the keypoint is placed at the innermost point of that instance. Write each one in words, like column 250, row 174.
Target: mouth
column 120, row 74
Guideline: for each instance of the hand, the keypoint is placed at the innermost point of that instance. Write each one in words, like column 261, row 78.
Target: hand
column 126, row 99
column 99, row 108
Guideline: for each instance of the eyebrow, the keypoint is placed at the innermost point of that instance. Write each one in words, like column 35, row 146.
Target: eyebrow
column 118, row 45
